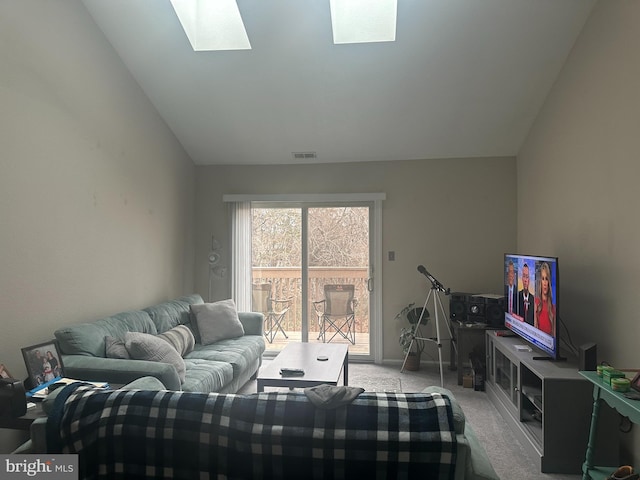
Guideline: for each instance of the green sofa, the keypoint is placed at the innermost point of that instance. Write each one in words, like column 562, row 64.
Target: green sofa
column 471, row 461
column 223, row 366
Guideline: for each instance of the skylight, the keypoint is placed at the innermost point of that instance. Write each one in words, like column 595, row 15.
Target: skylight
column 212, row 24
column 362, row 21
column 217, row 24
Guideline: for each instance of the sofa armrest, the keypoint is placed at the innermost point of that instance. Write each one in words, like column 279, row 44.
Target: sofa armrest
column 478, row 465
column 252, row 322
column 473, row 462
column 459, row 419
column 38, row 429
column 119, row 371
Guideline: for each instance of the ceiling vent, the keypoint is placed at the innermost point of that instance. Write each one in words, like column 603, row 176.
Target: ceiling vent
column 304, row 155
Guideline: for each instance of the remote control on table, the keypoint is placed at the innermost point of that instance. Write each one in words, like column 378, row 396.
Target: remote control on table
column 291, row 372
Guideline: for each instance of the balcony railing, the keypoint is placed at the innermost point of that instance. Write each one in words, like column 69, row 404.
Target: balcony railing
column 287, row 282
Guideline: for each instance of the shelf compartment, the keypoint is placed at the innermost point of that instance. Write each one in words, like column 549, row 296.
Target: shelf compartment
column 534, row 395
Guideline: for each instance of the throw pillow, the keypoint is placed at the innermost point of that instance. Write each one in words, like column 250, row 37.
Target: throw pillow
column 144, row 346
column 115, row 348
column 217, row 321
column 181, row 338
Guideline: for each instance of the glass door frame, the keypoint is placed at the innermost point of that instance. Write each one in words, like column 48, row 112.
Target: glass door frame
column 374, row 202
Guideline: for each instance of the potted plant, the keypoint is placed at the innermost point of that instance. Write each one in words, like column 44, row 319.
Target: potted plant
column 412, row 314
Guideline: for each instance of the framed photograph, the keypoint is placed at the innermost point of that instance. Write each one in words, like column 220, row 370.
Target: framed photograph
column 4, row 373
column 635, row 383
column 43, row 362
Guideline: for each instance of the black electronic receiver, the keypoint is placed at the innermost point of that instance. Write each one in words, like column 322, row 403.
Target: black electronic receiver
column 291, row 372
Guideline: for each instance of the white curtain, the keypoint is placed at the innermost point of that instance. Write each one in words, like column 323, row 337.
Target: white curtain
column 241, row 255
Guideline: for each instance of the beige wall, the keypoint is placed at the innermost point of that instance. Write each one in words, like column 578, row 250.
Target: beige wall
column 455, row 216
column 96, row 210
column 578, row 184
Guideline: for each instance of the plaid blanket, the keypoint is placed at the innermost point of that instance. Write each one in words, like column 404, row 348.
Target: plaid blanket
column 273, row 435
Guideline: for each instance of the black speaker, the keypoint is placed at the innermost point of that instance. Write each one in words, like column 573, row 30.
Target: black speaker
column 458, row 306
column 476, row 309
column 494, row 311
column 588, row 356
column 486, row 308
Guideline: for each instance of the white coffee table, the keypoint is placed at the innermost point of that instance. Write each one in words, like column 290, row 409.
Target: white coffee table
column 305, row 356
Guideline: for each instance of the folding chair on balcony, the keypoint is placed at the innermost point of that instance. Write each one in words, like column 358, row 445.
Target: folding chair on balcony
column 274, row 311
column 336, row 313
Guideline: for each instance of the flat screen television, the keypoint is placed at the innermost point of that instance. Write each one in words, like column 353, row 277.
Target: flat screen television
column 531, row 289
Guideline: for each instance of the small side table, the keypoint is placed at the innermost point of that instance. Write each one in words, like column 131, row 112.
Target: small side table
column 616, row 400
column 24, row 422
column 467, row 339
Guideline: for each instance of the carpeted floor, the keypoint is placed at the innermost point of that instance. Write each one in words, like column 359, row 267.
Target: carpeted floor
column 375, row 384
column 507, row 456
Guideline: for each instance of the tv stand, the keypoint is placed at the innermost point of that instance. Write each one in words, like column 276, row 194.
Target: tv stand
column 547, row 405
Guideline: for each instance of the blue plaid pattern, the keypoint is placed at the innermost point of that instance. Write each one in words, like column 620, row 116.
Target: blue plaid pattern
column 161, row 434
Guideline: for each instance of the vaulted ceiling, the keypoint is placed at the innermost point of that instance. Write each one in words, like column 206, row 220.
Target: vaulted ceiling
column 464, row 78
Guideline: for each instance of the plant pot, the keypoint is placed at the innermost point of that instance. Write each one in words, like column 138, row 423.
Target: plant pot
column 413, row 362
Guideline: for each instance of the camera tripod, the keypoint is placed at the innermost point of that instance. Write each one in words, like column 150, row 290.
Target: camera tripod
column 434, row 293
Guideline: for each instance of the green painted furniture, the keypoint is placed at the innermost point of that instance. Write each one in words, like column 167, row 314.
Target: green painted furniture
column 602, row 392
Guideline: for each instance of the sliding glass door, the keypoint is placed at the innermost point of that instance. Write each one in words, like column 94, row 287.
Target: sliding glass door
column 297, row 249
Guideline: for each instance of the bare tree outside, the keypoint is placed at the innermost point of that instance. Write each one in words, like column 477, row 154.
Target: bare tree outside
column 337, row 237
column 338, row 253
column 275, row 237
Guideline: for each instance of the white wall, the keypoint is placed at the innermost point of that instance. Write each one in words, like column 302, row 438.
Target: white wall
column 455, row 216
column 96, row 195
column 578, row 178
